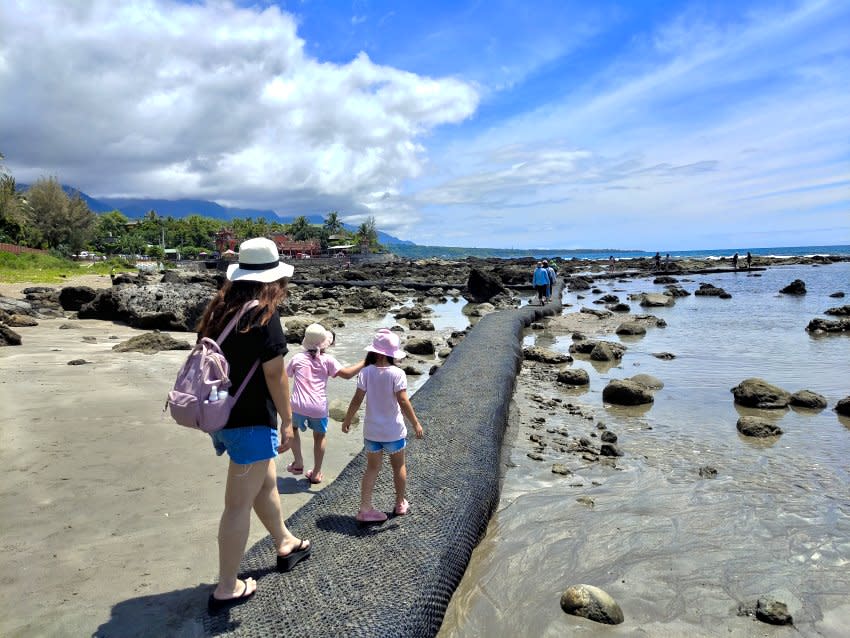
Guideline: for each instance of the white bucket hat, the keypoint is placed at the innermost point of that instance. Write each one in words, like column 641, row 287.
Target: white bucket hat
column 317, row 337
column 259, row 261
column 387, row 343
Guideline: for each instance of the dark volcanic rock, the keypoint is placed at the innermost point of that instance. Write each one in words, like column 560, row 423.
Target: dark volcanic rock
column 421, row 324
column 710, row 290
column 706, row 471
column 419, row 346
column 624, row 392
column 840, row 311
column 631, row 328
column 767, row 611
column 483, row 286
column 757, row 427
column 796, row 287
column 573, row 376
column 665, row 356
column 9, row 337
column 607, row 351
column 820, row 326
column 843, row 406
column 73, row 297
column 151, row 307
column 758, row 393
column 542, row 355
column 837, row 295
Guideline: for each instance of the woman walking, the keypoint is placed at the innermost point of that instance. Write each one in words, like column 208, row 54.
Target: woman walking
column 254, row 350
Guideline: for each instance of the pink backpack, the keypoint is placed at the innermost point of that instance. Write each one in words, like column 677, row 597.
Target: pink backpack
column 192, row 402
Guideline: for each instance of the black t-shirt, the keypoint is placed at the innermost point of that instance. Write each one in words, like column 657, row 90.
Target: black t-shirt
column 242, row 349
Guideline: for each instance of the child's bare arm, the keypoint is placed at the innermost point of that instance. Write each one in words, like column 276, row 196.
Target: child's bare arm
column 278, row 384
column 350, row 371
column 409, row 414
column 356, row 400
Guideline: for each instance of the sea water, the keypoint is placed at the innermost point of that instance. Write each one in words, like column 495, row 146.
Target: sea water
column 679, row 552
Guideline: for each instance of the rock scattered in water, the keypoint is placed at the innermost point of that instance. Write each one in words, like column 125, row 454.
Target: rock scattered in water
column 767, row 610
column 796, row 287
column 710, row 290
column 758, row 393
column 625, row 392
column 648, row 381
column 421, row 324
column 839, row 311
column 607, row 435
column 808, row 399
column 607, row 351
column 88, row 339
column 151, row 343
column 535, row 456
column 631, row 328
column 592, row 603
column 655, row 300
column 837, row 295
column 483, row 286
column 843, row 406
column 757, row 427
column 707, row 471
column 420, row 345
column 573, row 376
column 822, row 326
column 609, row 449
column 586, row 500
column 68, row 326
column 664, row 356
column 560, row 468
column 78, row 362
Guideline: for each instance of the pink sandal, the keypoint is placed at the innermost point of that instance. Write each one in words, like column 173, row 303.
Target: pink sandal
column 371, row 516
column 294, row 469
column 316, row 478
column 402, row 508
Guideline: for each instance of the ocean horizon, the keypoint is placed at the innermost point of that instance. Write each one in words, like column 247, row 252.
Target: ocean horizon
column 457, row 252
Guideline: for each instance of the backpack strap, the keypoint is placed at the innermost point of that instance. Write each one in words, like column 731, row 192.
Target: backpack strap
column 230, row 326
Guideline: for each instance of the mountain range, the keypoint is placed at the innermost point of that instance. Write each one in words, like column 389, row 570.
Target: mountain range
column 135, row 208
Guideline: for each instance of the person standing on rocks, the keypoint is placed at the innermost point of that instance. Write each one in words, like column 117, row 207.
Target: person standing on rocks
column 749, row 260
column 735, row 261
column 255, row 347
column 540, row 281
column 552, row 276
column 310, row 371
column 657, row 261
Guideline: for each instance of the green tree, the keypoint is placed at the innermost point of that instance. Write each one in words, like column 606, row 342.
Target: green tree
column 13, row 211
column 108, row 230
column 332, row 223
column 300, row 229
column 63, row 222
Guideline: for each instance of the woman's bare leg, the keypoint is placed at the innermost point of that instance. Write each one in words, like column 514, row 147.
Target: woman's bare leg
column 243, row 485
column 267, row 507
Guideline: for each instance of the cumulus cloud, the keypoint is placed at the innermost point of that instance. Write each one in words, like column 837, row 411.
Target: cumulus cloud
column 211, row 100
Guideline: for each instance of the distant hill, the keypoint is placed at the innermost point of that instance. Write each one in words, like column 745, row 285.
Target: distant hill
column 139, row 207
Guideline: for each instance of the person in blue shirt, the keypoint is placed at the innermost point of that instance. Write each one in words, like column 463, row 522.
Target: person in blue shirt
column 541, row 282
column 551, row 272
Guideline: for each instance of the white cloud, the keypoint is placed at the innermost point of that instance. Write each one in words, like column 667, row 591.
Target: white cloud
column 159, row 98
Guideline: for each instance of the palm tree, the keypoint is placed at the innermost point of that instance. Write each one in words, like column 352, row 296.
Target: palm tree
column 332, row 223
column 300, row 229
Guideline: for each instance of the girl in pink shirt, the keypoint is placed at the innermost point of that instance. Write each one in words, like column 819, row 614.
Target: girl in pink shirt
column 310, row 371
column 387, row 405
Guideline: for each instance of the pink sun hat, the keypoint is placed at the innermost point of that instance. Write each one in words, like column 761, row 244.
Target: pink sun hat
column 387, row 343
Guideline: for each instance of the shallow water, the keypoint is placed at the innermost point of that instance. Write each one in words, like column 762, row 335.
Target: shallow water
column 678, row 552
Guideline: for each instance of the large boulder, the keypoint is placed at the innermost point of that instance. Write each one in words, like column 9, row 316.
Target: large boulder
column 625, row 392
column 152, row 306
column 820, row 326
column 419, row 346
column 16, row 306
column 573, row 376
column 843, row 406
column 656, row 300
column 483, row 285
column 632, row 328
column 607, row 351
column 150, row 343
column 758, row 393
column 535, row 353
column 9, row 337
column 710, row 290
column 839, row 311
column 592, row 603
column 796, row 287
column 73, row 297
column 757, row 427
column 648, row 381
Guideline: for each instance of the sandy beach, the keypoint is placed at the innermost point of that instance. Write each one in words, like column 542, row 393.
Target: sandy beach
column 105, row 502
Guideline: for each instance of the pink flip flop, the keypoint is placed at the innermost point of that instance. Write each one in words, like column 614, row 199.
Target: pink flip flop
column 316, row 478
column 402, row 508
column 371, row 516
column 294, row 469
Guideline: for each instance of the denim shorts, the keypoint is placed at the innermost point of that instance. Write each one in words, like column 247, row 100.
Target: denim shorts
column 247, row 445
column 316, row 424
column 390, row 447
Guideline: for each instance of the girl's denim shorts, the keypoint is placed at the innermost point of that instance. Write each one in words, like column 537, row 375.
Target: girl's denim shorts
column 247, row 445
column 319, row 425
column 390, row 447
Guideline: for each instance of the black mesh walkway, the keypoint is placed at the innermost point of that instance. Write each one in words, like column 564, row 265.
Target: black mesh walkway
column 396, row 579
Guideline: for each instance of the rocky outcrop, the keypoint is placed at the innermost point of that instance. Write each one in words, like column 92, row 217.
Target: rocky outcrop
column 419, row 346
column 625, row 392
column 9, row 337
column 592, row 603
column 535, row 353
column 20, row 321
column 631, row 328
column 808, row 399
column 587, row 346
column 796, row 287
column 151, row 307
column 758, row 393
column 710, row 290
column 839, row 311
column 655, row 300
column 757, row 427
column 483, row 286
column 607, row 351
column 74, row 297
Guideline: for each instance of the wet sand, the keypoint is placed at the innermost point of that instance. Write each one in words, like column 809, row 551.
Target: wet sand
column 107, row 508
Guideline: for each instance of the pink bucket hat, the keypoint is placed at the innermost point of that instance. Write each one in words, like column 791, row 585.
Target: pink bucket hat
column 387, row 343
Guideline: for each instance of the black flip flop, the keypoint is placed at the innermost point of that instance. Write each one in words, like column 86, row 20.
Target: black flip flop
column 286, row 563
column 217, row 605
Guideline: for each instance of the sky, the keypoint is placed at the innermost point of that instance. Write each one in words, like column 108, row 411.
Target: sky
column 650, row 125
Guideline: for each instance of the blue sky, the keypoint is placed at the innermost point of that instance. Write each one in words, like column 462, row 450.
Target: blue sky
column 651, row 125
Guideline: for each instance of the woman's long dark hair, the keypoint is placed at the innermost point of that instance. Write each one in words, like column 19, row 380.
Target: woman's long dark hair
column 230, row 299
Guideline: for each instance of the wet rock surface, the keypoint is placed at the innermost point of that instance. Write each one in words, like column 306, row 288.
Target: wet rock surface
column 592, row 603
column 758, row 393
column 757, row 427
column 151, row 343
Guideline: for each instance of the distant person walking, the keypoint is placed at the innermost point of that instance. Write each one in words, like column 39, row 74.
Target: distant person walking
column 254, row 349
column 735, row 261
column 384, row 386
column 552, row 277
column 749, row 260
column 310, row 371
column 657, row 261
column 667, row 262
column 540, row 280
